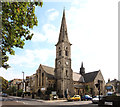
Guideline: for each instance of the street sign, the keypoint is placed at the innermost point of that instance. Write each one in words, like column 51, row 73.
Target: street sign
column 53, row 92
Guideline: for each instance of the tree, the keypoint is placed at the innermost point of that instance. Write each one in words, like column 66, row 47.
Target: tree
column 17, row 20
column 87, row 88
column 19, row 92
column 11, row 90
column 4, row 84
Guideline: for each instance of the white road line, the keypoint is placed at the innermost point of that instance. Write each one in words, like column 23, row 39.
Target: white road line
column 25, row 103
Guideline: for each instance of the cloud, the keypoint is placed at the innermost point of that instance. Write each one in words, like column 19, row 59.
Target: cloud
column 10, row 73
column 38, row 37
column 52, row 14
column 49, row 34
column 92, row 30
column 51, row 10
column 31, row 58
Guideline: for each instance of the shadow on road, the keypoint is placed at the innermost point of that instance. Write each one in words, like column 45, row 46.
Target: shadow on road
column 55, row 105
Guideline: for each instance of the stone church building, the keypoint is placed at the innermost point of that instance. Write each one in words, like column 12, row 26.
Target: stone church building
column 62, row 79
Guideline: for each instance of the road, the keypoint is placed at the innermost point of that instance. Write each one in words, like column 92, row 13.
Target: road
column 19, row 102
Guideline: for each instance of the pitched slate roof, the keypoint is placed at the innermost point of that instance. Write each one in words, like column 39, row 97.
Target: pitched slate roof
column 49, row 71
column 78, row 77
column 89, row 77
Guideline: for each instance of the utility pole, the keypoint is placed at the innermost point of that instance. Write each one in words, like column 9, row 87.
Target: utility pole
column 23, row 86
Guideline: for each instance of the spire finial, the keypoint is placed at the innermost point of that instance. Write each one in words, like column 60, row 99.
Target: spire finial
column 63, row 11
column 82, row 69
column 82, row 65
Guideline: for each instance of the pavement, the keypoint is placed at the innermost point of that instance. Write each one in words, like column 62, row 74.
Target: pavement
column 39, row 100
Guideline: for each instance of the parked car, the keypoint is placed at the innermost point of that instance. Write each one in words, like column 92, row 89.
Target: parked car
column 55, row 97
column 86, row 97
column 75, row 98
column 110, row 93
column 96, row 99
column 4, row 95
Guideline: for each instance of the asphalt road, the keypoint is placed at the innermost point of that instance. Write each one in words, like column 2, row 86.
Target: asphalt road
column 19, row 102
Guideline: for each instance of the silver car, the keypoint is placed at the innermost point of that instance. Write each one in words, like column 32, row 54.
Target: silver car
column 95, row 100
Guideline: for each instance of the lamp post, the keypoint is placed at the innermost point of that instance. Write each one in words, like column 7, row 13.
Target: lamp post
column 23, row 85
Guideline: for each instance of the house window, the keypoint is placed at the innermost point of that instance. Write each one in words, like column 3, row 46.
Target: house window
column 66, row 53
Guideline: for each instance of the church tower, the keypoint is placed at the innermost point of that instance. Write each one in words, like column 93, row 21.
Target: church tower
column 63, row 71
column 82, row 69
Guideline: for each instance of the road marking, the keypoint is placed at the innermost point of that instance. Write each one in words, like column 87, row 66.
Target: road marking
column 25, row 103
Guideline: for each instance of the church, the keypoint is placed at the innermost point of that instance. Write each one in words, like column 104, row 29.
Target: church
column 62, row 79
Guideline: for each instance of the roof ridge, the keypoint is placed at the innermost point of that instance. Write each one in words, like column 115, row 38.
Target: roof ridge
column 76, row 73
column 47, row 66
column 92, row 72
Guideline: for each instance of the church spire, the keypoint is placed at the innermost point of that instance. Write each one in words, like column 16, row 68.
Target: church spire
column 82, row 65
column 82, row 69
column 63, row 36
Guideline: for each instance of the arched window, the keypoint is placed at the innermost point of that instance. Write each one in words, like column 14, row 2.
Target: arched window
column 66, row 53
column 42, row 79
column 59, row 53
column 66, row 72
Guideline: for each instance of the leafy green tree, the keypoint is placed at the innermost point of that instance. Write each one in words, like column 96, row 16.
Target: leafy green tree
column 87, row 88
column 4, row 84
column 19, row 92
column 17, row 20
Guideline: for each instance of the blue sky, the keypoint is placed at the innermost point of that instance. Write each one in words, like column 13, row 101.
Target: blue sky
column 92, row 29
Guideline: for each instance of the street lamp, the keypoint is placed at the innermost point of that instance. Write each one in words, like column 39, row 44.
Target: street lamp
column 23, row 85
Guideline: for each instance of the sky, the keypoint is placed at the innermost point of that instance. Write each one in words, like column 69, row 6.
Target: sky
column 92, row 27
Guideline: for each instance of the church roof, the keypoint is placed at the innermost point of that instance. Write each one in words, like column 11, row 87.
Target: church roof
column 48, row 70
column 87, row 77
column 78, row 77
column 90, row 77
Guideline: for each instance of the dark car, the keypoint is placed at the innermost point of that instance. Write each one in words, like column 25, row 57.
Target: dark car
column 4, row 95
column 86, row 97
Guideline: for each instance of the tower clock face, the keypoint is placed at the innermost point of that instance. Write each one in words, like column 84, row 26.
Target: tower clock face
column 66, row 62
column 66, row 48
